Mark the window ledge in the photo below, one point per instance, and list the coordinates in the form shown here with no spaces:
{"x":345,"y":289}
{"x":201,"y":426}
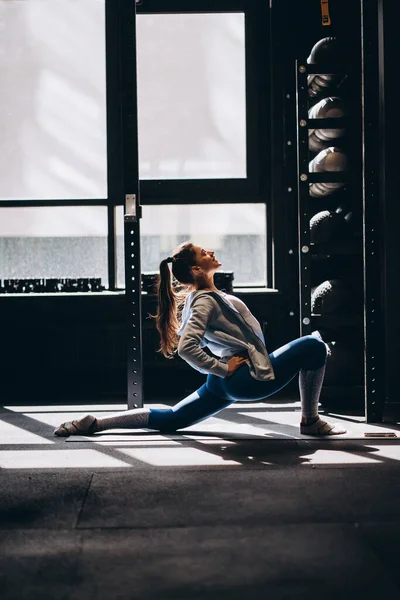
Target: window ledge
{"x":255,"y":290}
{"x":247,"y":290}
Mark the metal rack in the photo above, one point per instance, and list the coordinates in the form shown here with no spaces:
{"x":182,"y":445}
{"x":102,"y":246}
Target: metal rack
{"x":304,"y":179}
{"x":374,"y":207}
{"x":365,"y":322}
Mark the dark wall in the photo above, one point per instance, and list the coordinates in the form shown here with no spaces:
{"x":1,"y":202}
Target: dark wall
{"x":62,"y":346}
{"x":73,"y":347}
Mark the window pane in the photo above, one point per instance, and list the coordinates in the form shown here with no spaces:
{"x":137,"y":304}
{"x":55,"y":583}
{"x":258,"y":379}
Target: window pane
{"x":237,"y":233}
{"x":191,"y":96}
{"x":53,"y":99}
{"x":38,"y":242}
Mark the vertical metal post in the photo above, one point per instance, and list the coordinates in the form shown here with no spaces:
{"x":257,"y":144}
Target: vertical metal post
{"x":291,"y":267}
{"x":372,"y":213}
{"x":111,"y":248}
{"x":134,"y":301}
{"x":132,"y":213}
{"x":303,"y":201}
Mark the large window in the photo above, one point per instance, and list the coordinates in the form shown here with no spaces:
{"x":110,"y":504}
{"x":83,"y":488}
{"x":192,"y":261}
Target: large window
{"x":53,"y":100}
{"x":191,"y":96}
{"x":235,"y":231}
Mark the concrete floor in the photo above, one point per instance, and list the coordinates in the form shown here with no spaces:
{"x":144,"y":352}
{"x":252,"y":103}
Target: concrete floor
{"x":238,"y":507}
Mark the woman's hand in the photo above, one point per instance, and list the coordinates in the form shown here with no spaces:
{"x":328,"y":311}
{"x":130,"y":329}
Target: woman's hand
{"x":234,"y":363}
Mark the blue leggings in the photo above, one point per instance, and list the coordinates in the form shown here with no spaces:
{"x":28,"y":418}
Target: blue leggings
{"x":307,"y":353}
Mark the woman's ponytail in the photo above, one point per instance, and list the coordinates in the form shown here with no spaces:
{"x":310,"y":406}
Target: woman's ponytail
{"x":171,"y":296}
{"x":166,"y":317}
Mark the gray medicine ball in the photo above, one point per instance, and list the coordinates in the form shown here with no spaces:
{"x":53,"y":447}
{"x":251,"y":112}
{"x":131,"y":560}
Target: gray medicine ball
{"x":331,"y":107}
{"x":326,"y":51}
{"x":329,"y":160}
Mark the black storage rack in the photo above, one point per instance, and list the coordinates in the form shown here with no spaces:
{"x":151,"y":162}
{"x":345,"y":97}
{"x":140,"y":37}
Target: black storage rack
{"x":367,"y":389}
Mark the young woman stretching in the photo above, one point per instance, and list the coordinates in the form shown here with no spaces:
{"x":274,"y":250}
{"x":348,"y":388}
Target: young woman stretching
{"x":243,"y":371}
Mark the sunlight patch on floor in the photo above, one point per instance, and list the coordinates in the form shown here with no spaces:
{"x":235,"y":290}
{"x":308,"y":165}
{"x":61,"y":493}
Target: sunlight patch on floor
{"x":280,"y":418}
{"x":388,"y":451}
{"x":58,"y":459}
{"x":223,"y":427}
{"x":215,"y":442}
{"x":13,"y":435}
{"x":160,"y":444}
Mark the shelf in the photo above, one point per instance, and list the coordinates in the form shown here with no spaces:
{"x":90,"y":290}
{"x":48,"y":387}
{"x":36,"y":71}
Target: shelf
{"x":320,"y":69}
{"x":328,"y":123}
{"x":330,"y":177}
{"x":337,"y":320}
{"x":338,"y":247}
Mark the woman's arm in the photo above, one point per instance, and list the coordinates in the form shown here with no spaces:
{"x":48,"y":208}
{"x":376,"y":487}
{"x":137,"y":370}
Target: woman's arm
{"x":189,"y":344}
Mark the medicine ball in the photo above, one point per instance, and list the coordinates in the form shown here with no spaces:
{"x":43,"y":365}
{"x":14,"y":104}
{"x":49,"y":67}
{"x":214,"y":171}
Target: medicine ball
{"x":330,"y":296}
{"x":328,"y":224}
{"x":330,"y":107}
{"x":325,"y":52}
{"x":331,"y":159}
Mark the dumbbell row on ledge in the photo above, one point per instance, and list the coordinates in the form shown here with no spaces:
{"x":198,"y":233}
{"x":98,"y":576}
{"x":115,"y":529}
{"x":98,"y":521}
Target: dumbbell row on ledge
{"x":52,"y":285}
{"x":223,"y":281}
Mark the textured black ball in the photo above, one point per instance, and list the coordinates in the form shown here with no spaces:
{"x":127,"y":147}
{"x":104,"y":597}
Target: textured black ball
{"x":323,"y":226}
{"x":327,"y":225}
{"x":325,"y":51}
{"x":331,"y":296}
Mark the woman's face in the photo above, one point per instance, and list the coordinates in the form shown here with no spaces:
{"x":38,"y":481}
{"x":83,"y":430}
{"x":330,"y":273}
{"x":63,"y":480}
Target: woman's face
{"x":206,"y":259}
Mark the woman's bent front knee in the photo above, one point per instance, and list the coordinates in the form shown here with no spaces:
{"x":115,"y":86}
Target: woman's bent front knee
{"x":315,"y":353}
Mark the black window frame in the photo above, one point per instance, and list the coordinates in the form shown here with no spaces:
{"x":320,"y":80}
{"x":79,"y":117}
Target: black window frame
{"x":255,"y":188}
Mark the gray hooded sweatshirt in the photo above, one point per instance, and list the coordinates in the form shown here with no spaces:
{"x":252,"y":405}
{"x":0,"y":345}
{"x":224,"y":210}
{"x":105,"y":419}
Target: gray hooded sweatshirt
{"x":224,"y":325}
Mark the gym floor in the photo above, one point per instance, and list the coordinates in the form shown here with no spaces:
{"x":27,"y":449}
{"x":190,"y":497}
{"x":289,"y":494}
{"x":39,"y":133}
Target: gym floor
{"x":238,"y":506}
